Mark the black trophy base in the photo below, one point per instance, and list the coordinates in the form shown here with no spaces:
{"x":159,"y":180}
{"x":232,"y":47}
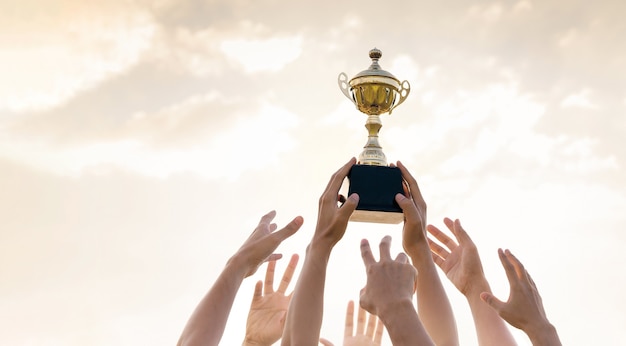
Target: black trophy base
{"x":377,"y":187}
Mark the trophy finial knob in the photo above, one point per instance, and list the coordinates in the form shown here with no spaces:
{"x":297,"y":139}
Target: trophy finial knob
{"x":375,"y":54}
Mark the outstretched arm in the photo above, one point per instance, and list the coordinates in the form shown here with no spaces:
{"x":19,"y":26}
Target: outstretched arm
{"x":206,"y":324}
{"x":304,"y":317}
{"x":433,"y":305}
{"x":389,"y":294}
{"x":462,"y":266}
{"x":524,"y":309}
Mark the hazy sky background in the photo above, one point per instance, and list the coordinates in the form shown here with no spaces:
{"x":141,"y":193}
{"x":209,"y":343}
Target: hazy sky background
{"x":141,"y":141}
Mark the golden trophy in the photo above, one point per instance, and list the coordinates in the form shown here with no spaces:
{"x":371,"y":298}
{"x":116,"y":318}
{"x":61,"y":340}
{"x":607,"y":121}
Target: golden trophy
{"x":374,"y":92}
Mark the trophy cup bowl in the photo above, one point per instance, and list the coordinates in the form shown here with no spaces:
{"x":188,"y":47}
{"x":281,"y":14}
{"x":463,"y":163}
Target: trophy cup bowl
{"x":374,"y":92}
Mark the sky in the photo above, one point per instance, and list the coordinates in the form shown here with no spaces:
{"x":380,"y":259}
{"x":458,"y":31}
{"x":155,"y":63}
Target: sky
{"x":141,"y":142}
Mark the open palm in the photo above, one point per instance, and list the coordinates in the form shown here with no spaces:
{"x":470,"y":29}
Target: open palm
{"x":460,"y":262}
{"x":266,"y":318}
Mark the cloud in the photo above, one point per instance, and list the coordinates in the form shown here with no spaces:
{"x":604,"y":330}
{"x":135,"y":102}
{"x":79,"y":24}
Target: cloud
{"x":50,"y":59}
{"x":182,"y":138}
{"x":259,"y":55}
{"x":580,"y":99}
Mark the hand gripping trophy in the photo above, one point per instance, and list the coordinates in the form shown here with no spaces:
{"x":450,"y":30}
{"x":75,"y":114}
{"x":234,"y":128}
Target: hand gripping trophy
{"x":374,"y":92}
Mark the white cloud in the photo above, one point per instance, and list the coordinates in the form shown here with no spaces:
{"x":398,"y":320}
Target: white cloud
{"x":253,"y":141}
{"x":580,"y":99}
{"x":257,"y":55}
{"x":48,"y":65}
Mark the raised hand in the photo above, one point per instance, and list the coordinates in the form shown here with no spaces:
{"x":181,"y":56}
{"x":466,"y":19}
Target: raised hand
{"x":260,"y":245}
{"x":388,"y":294}
{"x":433,"y":305}
{"x":372,"y":336}
{"x":462,"y":265}
{"x":266,"y":318}
{"x":332,"y":220}
{"x":460,"y":262}
{"x":207,"y":322}
{"x":360,"y":337}
{"x":414,"y":209}
{"x":524,"y":308}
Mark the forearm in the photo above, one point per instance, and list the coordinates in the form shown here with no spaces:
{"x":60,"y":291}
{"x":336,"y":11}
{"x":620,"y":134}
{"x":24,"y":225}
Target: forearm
{"x":304,"y":317}
{"x":433,"y":305}
{"x":404,"y":326}
{"x":206,"y":324}
{"x":491,"y":329}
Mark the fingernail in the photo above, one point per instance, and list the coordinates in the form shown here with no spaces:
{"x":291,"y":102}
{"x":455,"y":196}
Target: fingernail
{"x":354,"y":197}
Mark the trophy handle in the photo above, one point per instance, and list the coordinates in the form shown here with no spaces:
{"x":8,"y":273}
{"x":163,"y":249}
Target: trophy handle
{"x":405,"y":89}
{"x":342,"y":80}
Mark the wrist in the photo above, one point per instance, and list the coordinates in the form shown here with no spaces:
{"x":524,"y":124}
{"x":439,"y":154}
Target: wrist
{"x":543,"y":334}
{"x":390,"y":310}
{"x":251,"y":342}
{"x":476,"y":288}
{"x":237,"y":265}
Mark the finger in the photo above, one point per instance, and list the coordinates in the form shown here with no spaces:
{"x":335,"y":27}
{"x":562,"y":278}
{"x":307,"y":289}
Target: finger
{"x":509,"y":269}
{"x":380,"y":328}
{"x":360,"y":324}
{"x":274,"y":257}
{"x":371,"y":326}
{"x":269,"y":277}
{"x":459,"y":233}
{"x":272,"y":227}
{"x":492,"y":301}
{"x":348,"y":207}
{"x":267,"y":218}
{"x":438,"y":261}
{"x":349,"y":329}
{"x":519,"y":267}
{"x":402,"y":258}
{"x":258,"y":291}
{"x":408,"y":207}
{"x":442,"y":237}
{"x":385,"y":248}
{"x":413,"y":187}
{"x":288,"y":274}
{"x":366,"y":253}
{"x":326,"y":342}
{"x":438,"y":249}
{"x":405,"y":189}
{"x":288,"y":230}
{"x":531,"y":281}
{"x":332,"y":189}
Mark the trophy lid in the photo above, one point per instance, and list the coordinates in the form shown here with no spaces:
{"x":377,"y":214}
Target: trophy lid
{"x":374,"y":70}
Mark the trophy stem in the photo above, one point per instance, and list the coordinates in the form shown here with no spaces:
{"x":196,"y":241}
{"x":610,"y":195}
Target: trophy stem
{"x":372,"y":153}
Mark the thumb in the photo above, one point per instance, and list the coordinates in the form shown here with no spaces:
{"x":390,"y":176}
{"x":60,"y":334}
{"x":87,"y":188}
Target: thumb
{"x":492,"y":301}
{"x":407,"y":206}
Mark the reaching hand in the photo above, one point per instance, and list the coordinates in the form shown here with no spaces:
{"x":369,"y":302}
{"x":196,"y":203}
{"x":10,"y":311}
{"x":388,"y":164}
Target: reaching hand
{"x":371,"y":337}
{"x":461,"y":261}
{"x":389,"y":281}
{"x":361,"y":337}
{"x":414,"y":209}
{"x":266,"y":319}
{"x":388,"y":294}
{"x":259,"y":247}
{"x":524,"y":308}
{"x":332,"y":220}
